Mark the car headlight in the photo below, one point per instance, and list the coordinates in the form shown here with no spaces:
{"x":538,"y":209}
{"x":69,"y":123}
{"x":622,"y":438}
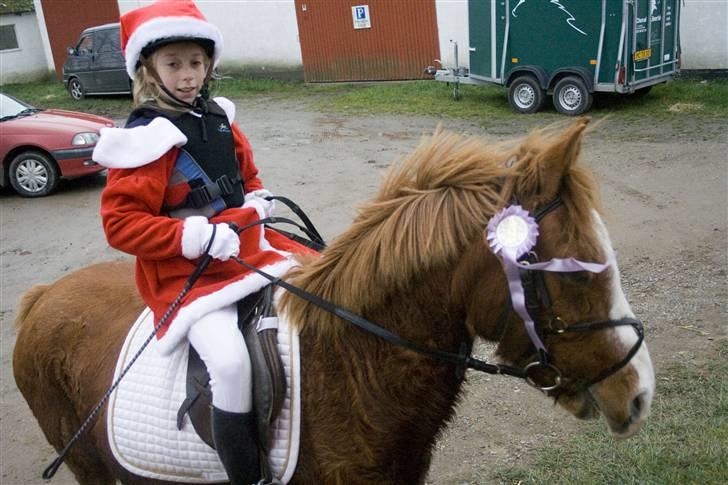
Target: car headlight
{"x":85,"y":139}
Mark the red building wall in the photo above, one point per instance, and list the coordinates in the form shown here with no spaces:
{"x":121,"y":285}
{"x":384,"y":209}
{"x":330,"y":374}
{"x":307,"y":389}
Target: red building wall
{"x":66,"y":19}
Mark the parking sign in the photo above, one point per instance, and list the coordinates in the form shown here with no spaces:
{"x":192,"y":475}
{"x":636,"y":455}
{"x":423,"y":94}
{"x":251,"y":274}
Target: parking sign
{"x":360,"y":16}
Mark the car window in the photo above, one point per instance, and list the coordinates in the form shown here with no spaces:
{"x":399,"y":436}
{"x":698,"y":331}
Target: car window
{"x":114,"y":38}
{"x":107,"y":41}
{"x":85,"y":45}
{"x":102,"y":42}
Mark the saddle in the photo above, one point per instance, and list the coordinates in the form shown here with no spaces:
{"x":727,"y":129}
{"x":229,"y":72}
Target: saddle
{"x":257,"y":321}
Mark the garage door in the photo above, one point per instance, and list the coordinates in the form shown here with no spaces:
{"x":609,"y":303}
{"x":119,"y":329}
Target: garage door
{"x":345,"y":40}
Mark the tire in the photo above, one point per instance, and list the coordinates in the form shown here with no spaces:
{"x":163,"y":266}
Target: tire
{"x":525,"y":95}
{"x":76,"y":89}
{"x":571,"y":97}
{"x":33,"y":174}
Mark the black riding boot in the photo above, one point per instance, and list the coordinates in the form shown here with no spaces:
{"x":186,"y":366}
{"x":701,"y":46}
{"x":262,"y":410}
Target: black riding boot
{"x":235,"y":438}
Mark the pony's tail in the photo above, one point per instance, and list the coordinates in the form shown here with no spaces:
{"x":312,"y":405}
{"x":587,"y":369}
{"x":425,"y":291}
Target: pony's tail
{"x":27,"y":301}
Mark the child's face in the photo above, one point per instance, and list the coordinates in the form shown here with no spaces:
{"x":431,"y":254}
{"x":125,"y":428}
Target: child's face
{"x":182,"y":66}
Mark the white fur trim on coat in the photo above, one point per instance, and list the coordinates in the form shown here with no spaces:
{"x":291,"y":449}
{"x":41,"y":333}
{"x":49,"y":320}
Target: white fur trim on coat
{"x":193,"y":233}
{"x":259,"y":196}
{"x":228,"y":295}
{"x":162,"y":27}
{"x":138,"y":146}
{"x":227,"y":106}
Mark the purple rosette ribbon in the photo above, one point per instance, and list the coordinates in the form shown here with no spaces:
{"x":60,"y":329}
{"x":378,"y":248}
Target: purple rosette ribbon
{"x":512,"y":233}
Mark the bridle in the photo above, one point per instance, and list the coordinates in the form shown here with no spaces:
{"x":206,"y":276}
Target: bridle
{"x":538,"y":303}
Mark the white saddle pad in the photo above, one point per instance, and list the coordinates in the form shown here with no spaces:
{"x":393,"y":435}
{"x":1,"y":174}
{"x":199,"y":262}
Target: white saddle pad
{"x":142,"y":413}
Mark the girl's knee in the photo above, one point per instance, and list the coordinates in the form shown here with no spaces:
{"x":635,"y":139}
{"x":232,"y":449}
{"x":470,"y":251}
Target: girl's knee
{"x":230,"y":368}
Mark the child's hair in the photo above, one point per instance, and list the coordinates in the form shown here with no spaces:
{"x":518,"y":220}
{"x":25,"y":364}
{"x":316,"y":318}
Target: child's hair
{"x":146,"y":90}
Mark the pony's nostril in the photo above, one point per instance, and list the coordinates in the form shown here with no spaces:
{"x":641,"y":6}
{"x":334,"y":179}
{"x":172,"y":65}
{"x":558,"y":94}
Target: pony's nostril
{"x":637,"y":406}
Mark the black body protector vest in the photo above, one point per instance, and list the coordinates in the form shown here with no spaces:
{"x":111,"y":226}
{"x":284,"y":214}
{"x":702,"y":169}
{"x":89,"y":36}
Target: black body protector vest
{"x":207,"y":162}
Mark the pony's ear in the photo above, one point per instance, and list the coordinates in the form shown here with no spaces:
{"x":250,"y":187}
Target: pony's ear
{"x":549,"y":158}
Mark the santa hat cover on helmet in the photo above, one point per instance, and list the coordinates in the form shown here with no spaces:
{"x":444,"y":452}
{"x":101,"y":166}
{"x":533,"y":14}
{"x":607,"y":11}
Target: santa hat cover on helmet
{"x":175,"y":20}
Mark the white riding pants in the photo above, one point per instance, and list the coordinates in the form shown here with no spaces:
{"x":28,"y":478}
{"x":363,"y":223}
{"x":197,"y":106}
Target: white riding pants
{"x":221,"y":346}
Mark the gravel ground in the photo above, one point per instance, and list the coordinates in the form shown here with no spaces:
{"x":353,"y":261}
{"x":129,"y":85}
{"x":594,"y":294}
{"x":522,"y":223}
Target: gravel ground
{"x":664,"y":187}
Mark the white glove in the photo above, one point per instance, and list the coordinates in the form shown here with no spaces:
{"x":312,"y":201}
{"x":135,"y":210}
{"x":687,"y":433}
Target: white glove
{"x":259,"y":196}
{"x":196,"y":235}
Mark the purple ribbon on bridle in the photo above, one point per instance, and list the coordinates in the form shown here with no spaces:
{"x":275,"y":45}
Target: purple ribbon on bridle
{"x":512,"y":233}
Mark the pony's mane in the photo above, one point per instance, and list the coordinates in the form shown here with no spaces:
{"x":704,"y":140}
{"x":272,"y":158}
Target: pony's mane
{"x":427,"y":210}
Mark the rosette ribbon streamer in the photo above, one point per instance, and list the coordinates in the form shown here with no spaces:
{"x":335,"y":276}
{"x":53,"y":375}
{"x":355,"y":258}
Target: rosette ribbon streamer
{"x":511,"y":234}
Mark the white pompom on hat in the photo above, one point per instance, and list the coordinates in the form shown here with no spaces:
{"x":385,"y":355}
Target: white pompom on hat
{"x":175,"y":20}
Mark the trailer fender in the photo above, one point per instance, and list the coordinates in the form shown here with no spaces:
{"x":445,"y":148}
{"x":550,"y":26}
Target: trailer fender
{"x":536,"y":71}
{"x":584,"y":74}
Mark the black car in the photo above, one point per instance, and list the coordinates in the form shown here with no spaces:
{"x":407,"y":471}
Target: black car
{"x":96,"y":64}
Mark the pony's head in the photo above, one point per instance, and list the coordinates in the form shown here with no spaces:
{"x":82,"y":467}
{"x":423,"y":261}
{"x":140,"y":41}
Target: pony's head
{"x":416,"y":259}
{"x":592,"y":356}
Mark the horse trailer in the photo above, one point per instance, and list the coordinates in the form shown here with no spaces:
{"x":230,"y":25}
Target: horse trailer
{"x":569,"y":49}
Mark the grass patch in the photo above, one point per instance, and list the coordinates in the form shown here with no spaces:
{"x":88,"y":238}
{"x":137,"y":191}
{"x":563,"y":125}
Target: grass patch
{"x":684,"y":440}
{"x":698,"y":98}
{"x":52,"y":94}
{"x":241,"y":88}
{"x":421,"y":98}
{"x":707,"y":100}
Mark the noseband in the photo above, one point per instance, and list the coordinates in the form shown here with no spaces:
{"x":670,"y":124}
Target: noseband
{"x":538,"y":303}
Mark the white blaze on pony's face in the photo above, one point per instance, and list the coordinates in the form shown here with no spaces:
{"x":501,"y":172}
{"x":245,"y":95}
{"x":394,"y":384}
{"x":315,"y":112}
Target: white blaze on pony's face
{"x":637,"y":378}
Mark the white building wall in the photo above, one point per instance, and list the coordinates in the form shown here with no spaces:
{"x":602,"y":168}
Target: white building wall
{"x":452,"y":26}
{"x":28,"y":60}
{"x":257,"y":33}
{"x":704,"y":34}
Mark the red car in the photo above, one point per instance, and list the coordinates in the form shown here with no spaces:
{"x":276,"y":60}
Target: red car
{"x":38,"y":147}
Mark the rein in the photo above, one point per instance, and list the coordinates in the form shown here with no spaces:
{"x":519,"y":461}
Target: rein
{"x":536,"y":297}
{"x":463,"y":359}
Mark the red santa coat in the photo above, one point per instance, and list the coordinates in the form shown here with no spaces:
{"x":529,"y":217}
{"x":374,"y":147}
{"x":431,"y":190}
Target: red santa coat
{"x":141,"y":161}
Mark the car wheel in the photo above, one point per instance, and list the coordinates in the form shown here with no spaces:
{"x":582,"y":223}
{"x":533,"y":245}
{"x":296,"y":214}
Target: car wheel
{"x":525,"y":95}
{"x":76,"y":89}
{"x":571,"y":97}
{"x":33,"y":174}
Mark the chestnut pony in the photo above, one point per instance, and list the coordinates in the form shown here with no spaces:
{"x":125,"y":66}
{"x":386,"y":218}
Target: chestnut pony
{"x":415,"y":260}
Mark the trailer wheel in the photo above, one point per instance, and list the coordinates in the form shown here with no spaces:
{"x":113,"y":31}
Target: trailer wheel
{"x":571,"y":97}
{"x":525,"y":95}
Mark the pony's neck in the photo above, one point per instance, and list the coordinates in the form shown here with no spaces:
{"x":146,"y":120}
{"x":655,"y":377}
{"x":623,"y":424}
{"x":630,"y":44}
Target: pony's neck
{"x":383,"y":405}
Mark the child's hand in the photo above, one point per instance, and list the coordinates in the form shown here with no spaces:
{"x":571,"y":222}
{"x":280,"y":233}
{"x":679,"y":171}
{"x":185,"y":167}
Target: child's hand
{"x":225,"y":244}
{"x":196,"y":236}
